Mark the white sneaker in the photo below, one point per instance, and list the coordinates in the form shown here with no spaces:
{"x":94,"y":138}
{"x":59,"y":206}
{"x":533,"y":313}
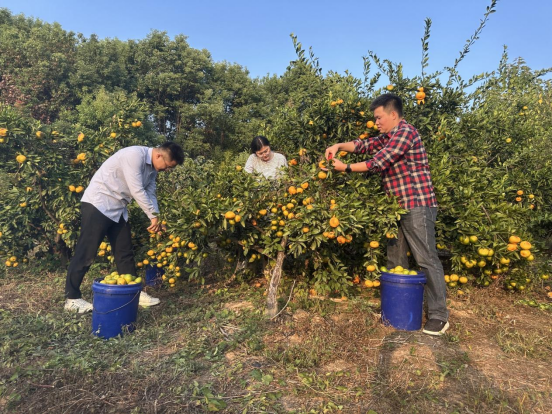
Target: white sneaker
{"x":147,"y":300}
{"x":78,"y":305}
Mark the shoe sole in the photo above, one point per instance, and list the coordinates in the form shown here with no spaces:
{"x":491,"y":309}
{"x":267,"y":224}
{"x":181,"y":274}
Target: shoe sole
{"x":441,"y":332}
{"x":144,"y":305}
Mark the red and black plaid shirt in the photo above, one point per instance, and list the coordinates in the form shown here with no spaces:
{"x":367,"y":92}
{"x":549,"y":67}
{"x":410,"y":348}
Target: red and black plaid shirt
{"x":401,"y":159}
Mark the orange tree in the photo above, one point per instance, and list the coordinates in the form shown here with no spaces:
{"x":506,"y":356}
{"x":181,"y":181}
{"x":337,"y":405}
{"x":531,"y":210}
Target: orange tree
{"x":488,"y":150}
{"x":320,"y":221}
{"x":45,"y":170}
{"x":483,"y":228}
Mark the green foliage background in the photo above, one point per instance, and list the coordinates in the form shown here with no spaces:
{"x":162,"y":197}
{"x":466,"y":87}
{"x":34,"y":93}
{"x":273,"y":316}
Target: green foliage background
{"x":487,"y":138}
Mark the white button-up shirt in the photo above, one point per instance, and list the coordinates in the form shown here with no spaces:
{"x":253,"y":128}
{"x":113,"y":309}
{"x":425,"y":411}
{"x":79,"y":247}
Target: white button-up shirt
{"x":126,"y":175}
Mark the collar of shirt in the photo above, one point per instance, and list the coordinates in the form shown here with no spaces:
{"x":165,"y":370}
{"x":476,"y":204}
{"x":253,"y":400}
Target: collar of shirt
{"x":401,"y":123}
{"x":149,"y":157}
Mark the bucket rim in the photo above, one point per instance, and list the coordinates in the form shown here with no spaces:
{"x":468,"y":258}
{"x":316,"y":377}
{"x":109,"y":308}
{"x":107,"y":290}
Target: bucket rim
{"x":115,"y":289}
{"x":420,"y":277}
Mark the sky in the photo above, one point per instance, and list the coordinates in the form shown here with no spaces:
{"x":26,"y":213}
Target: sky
{"x":256,"y":34}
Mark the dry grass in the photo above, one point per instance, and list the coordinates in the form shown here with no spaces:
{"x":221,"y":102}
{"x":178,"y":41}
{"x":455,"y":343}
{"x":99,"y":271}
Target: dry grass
{"x":203,"y":350}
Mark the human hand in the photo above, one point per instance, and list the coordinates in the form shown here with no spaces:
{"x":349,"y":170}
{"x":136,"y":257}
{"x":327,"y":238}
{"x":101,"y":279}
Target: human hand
{"x":156,"y":226}
{"x":331,"y":151}
{"x":339,"y":165}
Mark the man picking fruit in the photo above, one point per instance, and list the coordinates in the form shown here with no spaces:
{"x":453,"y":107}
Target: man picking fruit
{"x":128,"y":174}
{"x":400,"y":157}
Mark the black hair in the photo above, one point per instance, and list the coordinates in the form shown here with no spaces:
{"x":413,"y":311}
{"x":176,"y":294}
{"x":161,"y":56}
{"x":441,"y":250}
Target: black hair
{"x":174,"y":151}
{"x":258,"y":142}
{"x":390,"y":102}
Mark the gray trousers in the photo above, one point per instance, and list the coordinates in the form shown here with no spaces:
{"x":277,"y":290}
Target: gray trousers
{"x":417,"y":231}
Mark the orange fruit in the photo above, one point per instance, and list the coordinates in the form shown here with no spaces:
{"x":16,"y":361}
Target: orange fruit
{"x":292,"y":190}
{"x":20,"y":159}
{"x":322,"y":164}
{"x":420,"y":95}
{"x":514,"y":239}
{"x":483,"y":251}
{"x":519,"y":192}
{"x":322,"y":175}
{"x":293,"y":162}
{"x":305,"y":229}
{"x":368,"y":283}
{"x":374,"y":244}
{"x":304,"y":186}
{"x":229,"y":215}
{"x":370,"y":268}
{"x":334,"y":222}
{"x":525,"y":245}
{"x":525,"y":253}
{"x":370,"y":124}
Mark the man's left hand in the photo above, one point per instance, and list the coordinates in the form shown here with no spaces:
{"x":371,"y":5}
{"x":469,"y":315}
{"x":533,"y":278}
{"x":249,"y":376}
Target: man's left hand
{"x":339,"y":165}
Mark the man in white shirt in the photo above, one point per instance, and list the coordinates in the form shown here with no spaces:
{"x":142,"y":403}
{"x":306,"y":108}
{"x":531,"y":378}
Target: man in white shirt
{"x":128,"y":174}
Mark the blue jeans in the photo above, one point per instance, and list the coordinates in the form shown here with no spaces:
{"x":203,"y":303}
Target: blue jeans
{"x":417,"y":231}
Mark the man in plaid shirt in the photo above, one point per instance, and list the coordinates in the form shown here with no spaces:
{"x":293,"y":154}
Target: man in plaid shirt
{"x":400,"y":157}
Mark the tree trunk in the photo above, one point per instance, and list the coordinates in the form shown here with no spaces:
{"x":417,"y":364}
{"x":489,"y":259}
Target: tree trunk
{"x":276,"y":275}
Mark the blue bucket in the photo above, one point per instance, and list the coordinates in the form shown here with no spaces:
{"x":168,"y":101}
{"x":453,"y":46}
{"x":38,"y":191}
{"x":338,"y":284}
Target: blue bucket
{"x":402,"y":300}
{"x":115,"y":308}
{"x":154,"y":275}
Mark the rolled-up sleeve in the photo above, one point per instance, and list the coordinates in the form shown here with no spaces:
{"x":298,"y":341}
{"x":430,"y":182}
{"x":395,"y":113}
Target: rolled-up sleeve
{"x":385,"y":153}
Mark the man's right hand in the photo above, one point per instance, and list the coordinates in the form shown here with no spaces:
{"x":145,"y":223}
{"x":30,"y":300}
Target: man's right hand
{"x":155,"y":226}
{"x":331,"y":151}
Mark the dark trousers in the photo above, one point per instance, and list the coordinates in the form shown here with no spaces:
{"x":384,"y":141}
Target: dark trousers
{"x":94,"y":227}
{"x":417,"y":231}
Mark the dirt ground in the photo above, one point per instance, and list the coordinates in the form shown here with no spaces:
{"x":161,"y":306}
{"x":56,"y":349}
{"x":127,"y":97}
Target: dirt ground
{"x":210,"y":349}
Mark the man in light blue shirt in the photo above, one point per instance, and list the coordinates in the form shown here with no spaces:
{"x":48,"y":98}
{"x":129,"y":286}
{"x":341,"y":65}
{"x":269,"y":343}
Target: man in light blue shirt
{"x":127,"y":175}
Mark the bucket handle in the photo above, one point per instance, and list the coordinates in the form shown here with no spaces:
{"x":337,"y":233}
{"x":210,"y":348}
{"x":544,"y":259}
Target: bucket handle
{"x":120,"y":307}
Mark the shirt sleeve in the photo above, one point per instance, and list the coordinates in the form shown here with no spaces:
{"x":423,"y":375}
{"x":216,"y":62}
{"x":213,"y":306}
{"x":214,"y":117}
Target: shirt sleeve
{"x":132,"y":167}
{"x":249,"y":164}
{"x":151,"y":190}
{"x":399,"y":143}
{"x":368,"y":146}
